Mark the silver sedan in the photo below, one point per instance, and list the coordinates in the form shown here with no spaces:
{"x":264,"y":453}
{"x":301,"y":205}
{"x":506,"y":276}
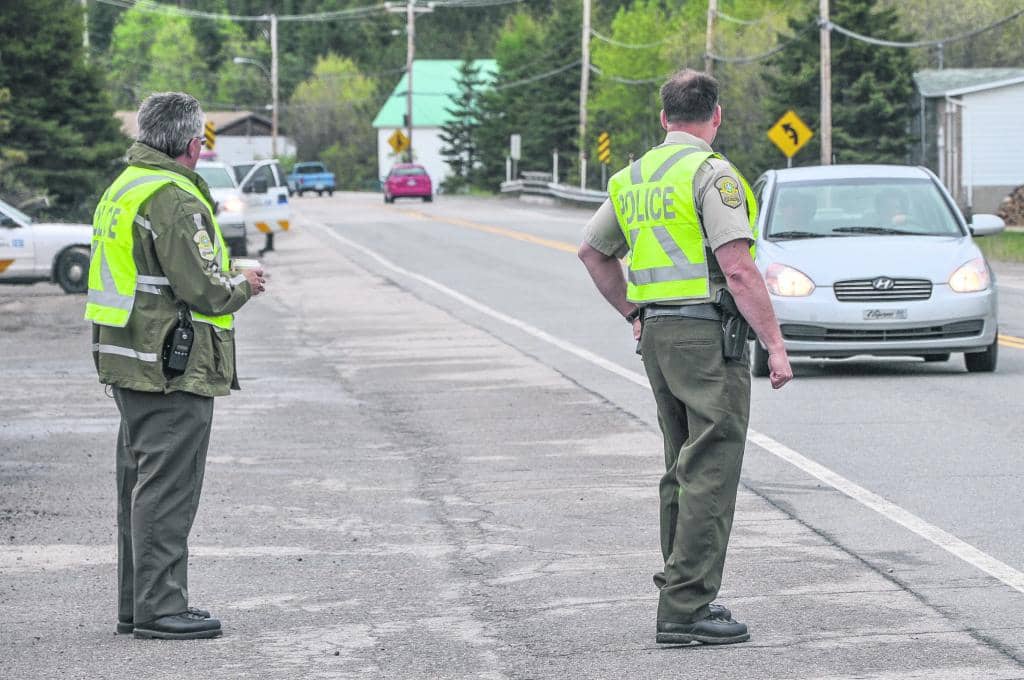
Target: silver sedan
{"x":876,"y":260}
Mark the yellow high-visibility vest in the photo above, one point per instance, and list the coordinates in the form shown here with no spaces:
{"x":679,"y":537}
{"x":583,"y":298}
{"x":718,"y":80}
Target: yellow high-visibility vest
{"x":654,"y":204}
{"x":113,"y":275}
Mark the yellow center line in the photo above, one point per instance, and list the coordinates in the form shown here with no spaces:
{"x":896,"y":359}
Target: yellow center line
{"x":500,"y":231}
{"x":1011,"y":341}
{"x":1004,"y":340}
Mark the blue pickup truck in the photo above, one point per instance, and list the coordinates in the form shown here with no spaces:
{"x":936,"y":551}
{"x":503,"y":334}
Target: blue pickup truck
{"x":310,"y":177}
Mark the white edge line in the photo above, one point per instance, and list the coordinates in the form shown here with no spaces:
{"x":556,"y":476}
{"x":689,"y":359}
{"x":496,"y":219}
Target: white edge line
{"x":948,"y":542}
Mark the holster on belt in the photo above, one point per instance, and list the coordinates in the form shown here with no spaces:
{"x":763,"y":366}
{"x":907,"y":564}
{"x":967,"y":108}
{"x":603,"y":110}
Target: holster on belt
{"x":735,"y":329}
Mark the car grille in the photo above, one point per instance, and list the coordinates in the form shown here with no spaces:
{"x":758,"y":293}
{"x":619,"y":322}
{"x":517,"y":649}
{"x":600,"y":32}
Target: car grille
{"x":863,"y":290}
{"x":958,"y":329}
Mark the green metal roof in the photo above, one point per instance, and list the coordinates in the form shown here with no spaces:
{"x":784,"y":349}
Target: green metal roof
{"x":435,"y":82}
{"x":940,"y":82}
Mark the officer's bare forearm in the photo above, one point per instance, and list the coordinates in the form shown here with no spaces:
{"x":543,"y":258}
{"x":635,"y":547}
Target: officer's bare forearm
{"x":748,"y":289}
{"x":606,"y":271}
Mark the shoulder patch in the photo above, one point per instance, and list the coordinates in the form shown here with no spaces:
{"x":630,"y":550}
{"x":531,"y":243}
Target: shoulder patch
{"x":204,"y":244}
{"x":729,"y":191}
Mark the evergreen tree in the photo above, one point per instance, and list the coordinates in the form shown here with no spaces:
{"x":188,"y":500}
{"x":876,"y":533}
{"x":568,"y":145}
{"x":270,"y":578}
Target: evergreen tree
{"x":59,"y":114}
{"x":872,"y":88}
{"x":534,"y":94}
{"x":460,"y":133}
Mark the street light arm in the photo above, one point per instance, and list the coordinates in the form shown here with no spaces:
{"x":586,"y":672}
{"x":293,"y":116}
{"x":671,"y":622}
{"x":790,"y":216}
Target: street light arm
{"x":254,"y":62}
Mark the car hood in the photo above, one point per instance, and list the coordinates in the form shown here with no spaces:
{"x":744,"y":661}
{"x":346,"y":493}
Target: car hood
{"x":827,"y":260}
{"x":226,"y":192}
{"x":78,"y":233}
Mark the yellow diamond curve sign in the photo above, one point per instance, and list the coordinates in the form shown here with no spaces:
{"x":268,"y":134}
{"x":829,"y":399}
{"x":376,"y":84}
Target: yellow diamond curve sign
{"x":398,"y":141}
{"x":790,"y":133}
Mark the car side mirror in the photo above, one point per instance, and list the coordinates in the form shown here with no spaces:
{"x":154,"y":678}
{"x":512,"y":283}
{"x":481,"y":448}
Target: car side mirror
{"x":6,"y":221}
{"x":986,"y":225}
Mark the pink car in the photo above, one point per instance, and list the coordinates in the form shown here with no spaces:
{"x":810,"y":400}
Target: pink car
{"x":408,"y":179}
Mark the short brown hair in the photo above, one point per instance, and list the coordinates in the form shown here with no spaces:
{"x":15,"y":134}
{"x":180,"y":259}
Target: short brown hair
{"x":689,"y":97}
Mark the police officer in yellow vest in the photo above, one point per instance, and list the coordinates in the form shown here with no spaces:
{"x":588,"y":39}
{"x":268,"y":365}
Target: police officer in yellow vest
{"x":685,"y":218}
{"x":161,"y":297}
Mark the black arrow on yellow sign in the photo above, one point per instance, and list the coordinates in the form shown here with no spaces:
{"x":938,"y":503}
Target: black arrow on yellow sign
{"x":789,"y":130}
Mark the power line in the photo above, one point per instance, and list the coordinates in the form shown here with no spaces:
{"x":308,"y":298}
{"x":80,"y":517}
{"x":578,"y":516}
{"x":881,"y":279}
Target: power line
{"x":160,"y":8}
{"x":632,"y":46}
{"x":924,"y":43}
{"x":626,"y":81}
{"x":540,"y":76}
{"x":735,"y":20}
{"x":764,"y":55}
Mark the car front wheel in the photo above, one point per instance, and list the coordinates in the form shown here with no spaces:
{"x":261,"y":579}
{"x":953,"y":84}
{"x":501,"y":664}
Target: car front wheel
{"x":759,"y":364}
{"x":72,"y":272}
{"x":983,"y":362}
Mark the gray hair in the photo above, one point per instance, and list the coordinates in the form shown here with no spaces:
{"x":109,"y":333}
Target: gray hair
{"x":168,"y":121}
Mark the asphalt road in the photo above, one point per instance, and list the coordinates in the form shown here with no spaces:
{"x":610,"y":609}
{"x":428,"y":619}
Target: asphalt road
{"x":443,"y":463}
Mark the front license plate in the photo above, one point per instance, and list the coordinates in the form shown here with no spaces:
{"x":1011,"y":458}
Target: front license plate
{"x":885,"y":314}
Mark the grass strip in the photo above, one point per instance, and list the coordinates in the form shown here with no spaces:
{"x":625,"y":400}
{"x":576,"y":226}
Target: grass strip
{"x":1005,"y":247}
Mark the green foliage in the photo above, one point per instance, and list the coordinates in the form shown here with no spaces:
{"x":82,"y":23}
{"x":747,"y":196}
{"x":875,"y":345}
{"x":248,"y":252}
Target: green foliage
{"x":329,"y":118}
{"x":460,"y":134}
{"x":872,"y":88}
{"x":1007,"y":246}
{"x":544,"y":111}
{"x":58,"y":116}
{"x":934,"y":19}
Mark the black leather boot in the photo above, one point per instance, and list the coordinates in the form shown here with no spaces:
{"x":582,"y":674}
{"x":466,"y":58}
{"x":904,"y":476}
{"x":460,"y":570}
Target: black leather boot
{"x":711,"y":630}
{"x":127,"y":625}
{"x":184,"y":626}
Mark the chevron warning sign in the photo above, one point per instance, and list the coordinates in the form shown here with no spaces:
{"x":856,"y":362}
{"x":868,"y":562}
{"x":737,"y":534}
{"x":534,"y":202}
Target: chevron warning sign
{"x":604,"y":148}
{"x":210,"y":135}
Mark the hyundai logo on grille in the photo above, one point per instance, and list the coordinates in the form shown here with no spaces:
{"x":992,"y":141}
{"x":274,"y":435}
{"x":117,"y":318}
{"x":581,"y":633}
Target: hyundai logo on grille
{"x":883,"y":283}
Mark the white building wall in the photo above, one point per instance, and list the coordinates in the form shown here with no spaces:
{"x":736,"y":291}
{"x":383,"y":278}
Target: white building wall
{"x":993,"y":137}
{"x":231,"y":149}
{"x":426,"y":149}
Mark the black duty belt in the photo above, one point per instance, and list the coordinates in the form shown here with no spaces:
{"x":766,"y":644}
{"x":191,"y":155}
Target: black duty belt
{"x":704,"y":310}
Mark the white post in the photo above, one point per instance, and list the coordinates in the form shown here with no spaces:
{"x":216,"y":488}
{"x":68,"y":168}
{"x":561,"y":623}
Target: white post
{"x":273,"y":84}
{"x":554,"y":166}
{"x":583,"y":171}
{"x":508,"y":169}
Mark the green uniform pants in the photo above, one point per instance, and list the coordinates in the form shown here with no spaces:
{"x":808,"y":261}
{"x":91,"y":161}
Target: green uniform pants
{"x":161,"y":457}
{"x":703,"y":409}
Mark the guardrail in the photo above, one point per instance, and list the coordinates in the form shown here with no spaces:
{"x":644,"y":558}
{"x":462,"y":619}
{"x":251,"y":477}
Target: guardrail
{"x":540,"y":184}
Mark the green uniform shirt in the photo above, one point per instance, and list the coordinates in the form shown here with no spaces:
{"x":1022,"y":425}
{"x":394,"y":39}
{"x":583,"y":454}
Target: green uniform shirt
{"x":165,"y":244}
{"x":722,"y":218}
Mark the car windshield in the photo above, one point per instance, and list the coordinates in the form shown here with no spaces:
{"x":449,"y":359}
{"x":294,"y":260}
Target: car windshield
{"x":309,"y":169}
{"x":859,"y":207}
{"x":398,"y":172}
{"x":216,"y":177}
{"x":242,"y":169}
{"x":14,"y":213}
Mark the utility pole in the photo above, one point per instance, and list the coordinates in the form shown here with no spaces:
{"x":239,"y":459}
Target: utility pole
{"x":826,"y":84}
{"x":709,"y":41}
{"x":584,"y":89}
{"x":85,"y":28}
{"x":410,"y":53}
{"x":273,"y":85}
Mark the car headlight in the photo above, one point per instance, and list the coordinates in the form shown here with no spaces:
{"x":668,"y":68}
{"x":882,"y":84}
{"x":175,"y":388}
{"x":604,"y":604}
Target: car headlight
{"x":787,"y":282}
{"x":970,"y":277}
{"x":233,"y":204}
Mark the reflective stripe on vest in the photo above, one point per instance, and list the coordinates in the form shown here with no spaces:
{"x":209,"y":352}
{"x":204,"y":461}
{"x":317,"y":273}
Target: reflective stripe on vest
{"x":667,"y":255}
{"x":113,"y":275}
